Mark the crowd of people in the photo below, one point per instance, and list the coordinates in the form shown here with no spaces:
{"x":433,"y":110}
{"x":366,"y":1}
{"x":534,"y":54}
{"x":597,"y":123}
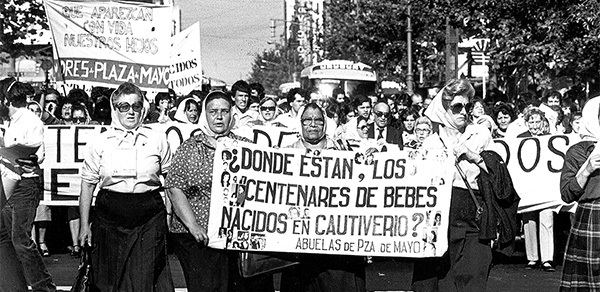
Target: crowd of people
{"x":128,"y":224}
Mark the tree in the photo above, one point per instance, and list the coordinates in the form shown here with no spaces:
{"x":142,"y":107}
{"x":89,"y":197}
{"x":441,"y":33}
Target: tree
{"x":19,"y":19}
{"x":274,"y":67}
{"x":539,"y":39}
{"x":374,"y":32}
{"x":562,"y":39}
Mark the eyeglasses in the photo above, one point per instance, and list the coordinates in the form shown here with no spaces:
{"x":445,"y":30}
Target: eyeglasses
{"x":382,"y":114}
{"x":422,"y":131}
{"x":79,"y":119}
{"x":318,"y":122}
{"x":363,"y":128}
{"x":458,"y":107}
{"x":124,"y":107}
{"x":267,"y":108}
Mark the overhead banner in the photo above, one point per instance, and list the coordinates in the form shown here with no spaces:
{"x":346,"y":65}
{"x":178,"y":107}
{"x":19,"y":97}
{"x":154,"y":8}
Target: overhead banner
{"x":108,"y":43}
{"x":186,"y":68}
{"x":535,"y":164}
{"x":330,"y":202}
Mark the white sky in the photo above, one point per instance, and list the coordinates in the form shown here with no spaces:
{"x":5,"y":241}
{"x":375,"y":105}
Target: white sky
{"x":232,"y":32}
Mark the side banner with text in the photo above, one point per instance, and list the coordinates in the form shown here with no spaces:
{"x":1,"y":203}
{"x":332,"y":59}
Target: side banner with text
{"x":332,"y":202}
{"x":535,"y":164}
{"x":108,"y":43}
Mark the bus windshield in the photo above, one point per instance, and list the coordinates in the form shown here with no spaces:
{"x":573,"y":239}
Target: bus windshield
{"x":353,"y":78}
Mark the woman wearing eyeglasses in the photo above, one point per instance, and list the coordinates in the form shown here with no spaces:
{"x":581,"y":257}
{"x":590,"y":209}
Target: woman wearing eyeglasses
{"x":129,"y":229}
{"x":469,"y":258}
{"x":322,"y":272}
{"x":268,"y":112}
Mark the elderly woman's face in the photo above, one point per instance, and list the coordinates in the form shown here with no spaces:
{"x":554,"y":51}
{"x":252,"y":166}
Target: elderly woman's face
{"x":218,"y":115}
{"x":129,"y":110}
{"x":535,"y":124}
{"x":422,"y":131}
{"x":458,"y":110}
{"x":313,"y":125}
{"x":267,"y":110}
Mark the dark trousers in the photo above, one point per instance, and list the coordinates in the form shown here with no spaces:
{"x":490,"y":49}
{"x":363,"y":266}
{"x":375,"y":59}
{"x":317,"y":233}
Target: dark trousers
{"x":204,"y":268}
{"x":16,"y":218}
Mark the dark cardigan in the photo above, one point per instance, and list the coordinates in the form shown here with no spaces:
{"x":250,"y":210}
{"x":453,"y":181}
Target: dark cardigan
{"x":501,"y":202}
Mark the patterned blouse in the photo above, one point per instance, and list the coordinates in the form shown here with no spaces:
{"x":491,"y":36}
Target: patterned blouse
{"x":191,"y":171}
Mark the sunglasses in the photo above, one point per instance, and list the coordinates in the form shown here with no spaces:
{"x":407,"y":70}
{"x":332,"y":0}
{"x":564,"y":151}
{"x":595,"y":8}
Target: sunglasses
{"x":79,"y":119}
{"x":364,"y":128}
{"x":318,"y":122}
{"x":267,"y":108}
{"x":382,"y":114}
{"x":125,"y":107}
{"x":458,"y":107}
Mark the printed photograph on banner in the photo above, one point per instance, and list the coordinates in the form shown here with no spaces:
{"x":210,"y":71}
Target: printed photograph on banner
{"x":387,"y":203}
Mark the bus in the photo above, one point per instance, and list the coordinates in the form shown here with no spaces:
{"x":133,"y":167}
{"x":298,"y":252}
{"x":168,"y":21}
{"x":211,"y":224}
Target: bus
{"x":353,"y":77}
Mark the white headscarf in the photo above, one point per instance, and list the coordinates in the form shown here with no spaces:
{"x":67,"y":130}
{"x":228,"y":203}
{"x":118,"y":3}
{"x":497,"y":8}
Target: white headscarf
{"x":203,"y":120}
{"x":590,"y":123}
{"x":180,"y":115}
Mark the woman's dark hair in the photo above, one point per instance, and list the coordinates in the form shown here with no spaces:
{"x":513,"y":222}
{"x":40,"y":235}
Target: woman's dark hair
{"x":161,"y":96}
{"x":223,"y":176}
{"x":188,"y":104}
{"x":504,"y":108}
{"x":80,"y":107}
{"x":18,"y":92}
{"x":332,"y":110}
{"x":217,"y":94}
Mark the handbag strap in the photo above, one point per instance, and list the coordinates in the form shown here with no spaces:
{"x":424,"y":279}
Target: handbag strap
{"x":477,"y":205}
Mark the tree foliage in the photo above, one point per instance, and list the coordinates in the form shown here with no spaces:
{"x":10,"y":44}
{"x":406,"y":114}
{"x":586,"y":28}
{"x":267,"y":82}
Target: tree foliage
{"x":542,"y":39}
{"x":274,"y":67}
{"x":20,"y":19}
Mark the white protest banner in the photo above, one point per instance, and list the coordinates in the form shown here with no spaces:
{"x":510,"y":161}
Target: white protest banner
{"x":269,"y":136}
{"x":108,"y":43}
{"x":64,"y":146}
{"x":535,"y":164}
{"x":186,"y":68}
{"x":292,"y":200}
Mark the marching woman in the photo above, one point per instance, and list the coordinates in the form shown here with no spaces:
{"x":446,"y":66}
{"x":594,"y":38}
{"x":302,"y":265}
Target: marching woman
{"x":190,"y":190}
{"x":129,"y":229}
{"x":580,"y":181}
{"x":469,"y":258}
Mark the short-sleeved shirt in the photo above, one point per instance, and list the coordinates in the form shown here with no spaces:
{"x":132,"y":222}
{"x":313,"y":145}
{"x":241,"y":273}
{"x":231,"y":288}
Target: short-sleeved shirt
{"x":152,"y":158}
{"x":192,"y":172}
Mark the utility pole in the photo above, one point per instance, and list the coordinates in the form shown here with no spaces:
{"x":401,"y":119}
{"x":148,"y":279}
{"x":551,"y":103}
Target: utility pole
{"x":451,"y":51}
{"x":410,"y":84}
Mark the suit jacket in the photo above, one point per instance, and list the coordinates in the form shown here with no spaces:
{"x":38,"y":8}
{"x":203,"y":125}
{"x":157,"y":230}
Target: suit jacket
{"x":393,"y":135}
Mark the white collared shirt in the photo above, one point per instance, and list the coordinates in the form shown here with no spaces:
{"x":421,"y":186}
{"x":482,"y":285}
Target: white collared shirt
{"x":151,"y":157}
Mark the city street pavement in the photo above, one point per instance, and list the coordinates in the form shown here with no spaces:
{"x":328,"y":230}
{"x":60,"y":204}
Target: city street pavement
{"x":510,"y":275}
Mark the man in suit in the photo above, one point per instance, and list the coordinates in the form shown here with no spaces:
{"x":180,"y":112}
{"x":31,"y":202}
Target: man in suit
{"x":381,"y":129}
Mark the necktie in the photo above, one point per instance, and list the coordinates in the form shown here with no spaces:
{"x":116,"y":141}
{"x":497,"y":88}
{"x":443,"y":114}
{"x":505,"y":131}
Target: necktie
{"x":380,"y":135}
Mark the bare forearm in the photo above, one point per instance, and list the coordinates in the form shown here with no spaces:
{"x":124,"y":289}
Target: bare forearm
{"x":85,"y":202}
{"x":182,"y":208}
